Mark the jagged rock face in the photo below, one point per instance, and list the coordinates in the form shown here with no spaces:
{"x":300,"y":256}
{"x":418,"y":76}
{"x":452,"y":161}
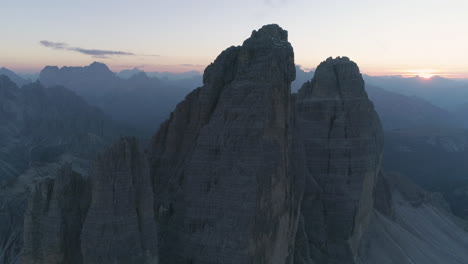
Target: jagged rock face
{"x":120,"y":225}
{"x":106,"y":218}
{"x":54,"y":217}
{"x":224,"y":188}
{"x":343,"y":142}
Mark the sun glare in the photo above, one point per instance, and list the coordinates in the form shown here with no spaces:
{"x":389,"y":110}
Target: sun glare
{"x":425,"y":75}
{"x":422,"y":73}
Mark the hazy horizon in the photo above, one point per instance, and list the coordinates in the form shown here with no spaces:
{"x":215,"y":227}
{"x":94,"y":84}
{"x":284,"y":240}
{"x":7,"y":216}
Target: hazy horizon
{"x":421,"y":74}
{"x":399,"y":41}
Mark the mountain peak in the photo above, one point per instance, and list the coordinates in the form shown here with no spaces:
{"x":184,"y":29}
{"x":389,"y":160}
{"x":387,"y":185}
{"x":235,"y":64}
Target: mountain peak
{"x":139,"y":76}
{"x":271,"y":31}
{"x":13,"y":77}
{"x":99,"y":66}
{"x":338,"y":60}
{"x":5,"y":81}
{"x":338,"y":78}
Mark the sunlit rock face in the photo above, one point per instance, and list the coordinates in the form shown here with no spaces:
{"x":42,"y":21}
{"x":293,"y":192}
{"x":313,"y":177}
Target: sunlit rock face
{"x":343,"y":141}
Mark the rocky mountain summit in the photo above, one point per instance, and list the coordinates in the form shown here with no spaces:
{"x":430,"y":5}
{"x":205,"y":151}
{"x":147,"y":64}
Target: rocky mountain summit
{"x":242,"y":172}
{"x":343,"y":142}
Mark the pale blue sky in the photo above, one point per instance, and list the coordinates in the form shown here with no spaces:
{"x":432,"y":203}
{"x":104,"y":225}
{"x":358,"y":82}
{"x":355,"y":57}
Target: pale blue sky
{"x":383,"y":37}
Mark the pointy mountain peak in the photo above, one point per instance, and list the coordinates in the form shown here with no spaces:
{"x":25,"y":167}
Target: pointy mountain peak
{"x":337,"y":78}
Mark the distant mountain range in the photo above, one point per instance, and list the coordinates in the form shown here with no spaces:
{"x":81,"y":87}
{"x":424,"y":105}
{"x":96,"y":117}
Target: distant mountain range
{"x":169,"y":76}
{"x":18,"y":80}
{"x":442,"y":92}
{"x":399,"y":111}
{"x":140,"y":100}
{"x":40,"y":124}
{"x":41,"y":129}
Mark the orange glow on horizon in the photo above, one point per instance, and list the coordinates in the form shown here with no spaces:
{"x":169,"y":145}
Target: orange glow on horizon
{"x":422,"y":73}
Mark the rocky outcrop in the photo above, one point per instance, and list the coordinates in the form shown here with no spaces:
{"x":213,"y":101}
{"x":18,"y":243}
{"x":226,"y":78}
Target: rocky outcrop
{"x":120,"y":225}
{"x":225,"y":186}
{"x":343,"y":142}
{"x":106,"y":218}
{"x":54,"y":217}
{"x":411,"y":226}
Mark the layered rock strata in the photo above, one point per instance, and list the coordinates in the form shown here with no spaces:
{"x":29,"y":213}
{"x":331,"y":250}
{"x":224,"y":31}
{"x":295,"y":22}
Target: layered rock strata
{"x":226,"y":187}
{"x":343,"y":142}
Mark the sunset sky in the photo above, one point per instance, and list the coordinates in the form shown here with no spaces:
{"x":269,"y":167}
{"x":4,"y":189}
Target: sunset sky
{"x":408,"y":37}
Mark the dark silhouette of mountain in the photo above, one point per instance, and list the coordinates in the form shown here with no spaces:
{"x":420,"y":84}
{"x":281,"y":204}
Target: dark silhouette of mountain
{"x":426,"y":143}
{"x":40,"y":124}
{"x":165,"y":76}
{"x":461,"y":113}
{"x":126,"y":74}
{"x":398,"y":111}
{"x":243,"y":171}
{"x":91,"y":82}
{"x":434,"y":158}
{"x":41,"y":129}
{"x":140,"y":101}
{"x":173,"y":76}
{"x":301,"y":77}
{"x":18,"y":80}
{"x":442,"y":92}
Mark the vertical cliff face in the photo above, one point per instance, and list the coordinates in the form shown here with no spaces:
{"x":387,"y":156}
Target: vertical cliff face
{"x":106,"y":218}
{"x":54,"y":217}
{"x":120,"y":225}
{"x":343,"y":142}
{"x":221,"y":162}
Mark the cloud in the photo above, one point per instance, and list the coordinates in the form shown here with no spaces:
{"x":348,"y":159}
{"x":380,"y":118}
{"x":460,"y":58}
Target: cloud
{"x":192,"y":65}
{"x":54,"y":45}
{"x":96,"y":53}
